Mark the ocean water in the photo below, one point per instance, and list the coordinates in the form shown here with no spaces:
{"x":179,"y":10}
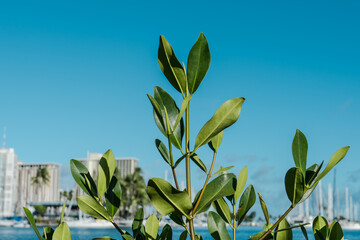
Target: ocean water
{"x":243,"y":233}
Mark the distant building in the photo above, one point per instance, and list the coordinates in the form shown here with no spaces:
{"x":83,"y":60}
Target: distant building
{"x":32,"y":193}
{"x":126,"y":166}
{"x":8,"y":181}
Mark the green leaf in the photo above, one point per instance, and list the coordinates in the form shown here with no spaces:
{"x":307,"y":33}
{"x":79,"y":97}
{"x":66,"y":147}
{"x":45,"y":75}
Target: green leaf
{"x":32,"y":222}
{"x":163,"y":151}
{"x":217,"y":227}
{"x":183,"y":107}
{"x":183,"y":235}
{"x":167,"y":199}
{"x":222,"y":209}
{"x":113,"y":196}
{"x":311,"y":173}
{"x":106,"y":170}
{"x":215,"y":142}
{"x":169,"y":108}
{"x":264,"y":208}
{"x":196,"y":159}
{"x":259,"y":234}
{"x":179,"y":160}
{"x":170,"y":65}
{"x":299,"y":150}
{"x":83,"y":178}
{"x":294,"y":185}
{"x":226,"y":115}
{"x":152,"y":227}
{"x":222,"y":170}
{"x":90,"y":206}
{"x":247,"y":200}
{"x":320,"y":228}
{"x":62,"y":212}
{"x":336,"y":232}
{"x":48,"y":233}
{"x":62,"y":232}
{"x":177,"y":218}
{"x":304,"y":232}
{"x":335,"y":159}
{"x":283,"y":235}
{"x":220,"y":187}
{"x":157,"y":114}
{"x":241,"y":181}
{"x":198,"y":63}
{"x":138,"y":222}
{"x":166,"y":233}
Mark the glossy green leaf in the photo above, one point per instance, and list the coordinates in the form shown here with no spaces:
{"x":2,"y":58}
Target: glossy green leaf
{"x":222,"y":209}
{"x":226,"y":115}
{"x":320,"y":228}
{"x":106,"y":170}
{"x":196,"y":159}
{"x":222,"y":170}
{"x":294,"y":185}
{"x":220,"y":187}
{"x":183,"y":107}
{"x":264,"y":208}
{"x":259,"y":234}
{"x":152,"y":227}
{"x":283,"y":235}
{"x":215,"y":142}
{"x":157,"y":114}
{"x":48,"y":233}
{"x":217,"y":227}
{"x":177,"y":218}
{"x":165,"y":101}
{"x":198,"y":63}
{"x":336,"y":233}
{"x":62,"y":232}
{"x":167,"y":199}
{"x":32,"y":222}
{"x":138,"y":222}
{"x":299,"y":150}
{"x":179,"y":160}
{"x":311,"y":173}
{"x":113,"y":196}
{"x":335,"y":159}
{"x":170,"y":65}
{"x":83,"y":178}
{"x":183,"y":235}
{"x":127,"y":236}
{"x":163,"y":151}
{"x":90,"y":206}
{"x":241,"y":182}
{"x":247,"y":200}
{"x":166,"y":233}
{"x":304,"y":232}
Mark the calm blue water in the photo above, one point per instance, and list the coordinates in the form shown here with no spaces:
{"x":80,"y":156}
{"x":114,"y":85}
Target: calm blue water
{"x":87,"y":234}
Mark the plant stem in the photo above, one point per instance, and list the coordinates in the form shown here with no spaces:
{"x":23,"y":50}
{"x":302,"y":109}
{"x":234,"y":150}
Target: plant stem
{"x":277,"y":223}
{"x":117,"y":227}
{"x":172,"y":162}
{"x":234,"y":223}
{"x":206,"y":181}
{"x":188,"y":179}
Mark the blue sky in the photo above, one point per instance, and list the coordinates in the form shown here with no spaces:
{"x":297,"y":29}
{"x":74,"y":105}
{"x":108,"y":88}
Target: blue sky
{"x":74,"y":78}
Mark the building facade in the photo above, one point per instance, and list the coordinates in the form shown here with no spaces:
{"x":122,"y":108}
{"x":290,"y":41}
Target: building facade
{"x":32,"y":192}
{"x":8,"y":182}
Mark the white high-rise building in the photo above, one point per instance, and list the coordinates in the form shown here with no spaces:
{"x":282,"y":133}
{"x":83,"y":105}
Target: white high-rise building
{"x":29,"y":192}
{"x":8,"y":181}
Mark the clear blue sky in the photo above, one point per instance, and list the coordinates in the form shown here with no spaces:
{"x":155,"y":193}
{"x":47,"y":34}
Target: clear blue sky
{"x":74,"y":77}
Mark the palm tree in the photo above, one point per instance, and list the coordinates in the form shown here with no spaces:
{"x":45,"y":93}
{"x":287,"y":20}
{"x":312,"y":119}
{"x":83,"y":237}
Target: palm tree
{"x":133,"y":193}
{"x":42,"y":177}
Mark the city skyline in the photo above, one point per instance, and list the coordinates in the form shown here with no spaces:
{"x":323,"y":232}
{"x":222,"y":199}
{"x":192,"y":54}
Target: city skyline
{"x":75,"y":76}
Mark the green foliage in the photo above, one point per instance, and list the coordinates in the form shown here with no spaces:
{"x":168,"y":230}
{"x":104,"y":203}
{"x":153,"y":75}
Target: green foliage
{"x":222,"y":190}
